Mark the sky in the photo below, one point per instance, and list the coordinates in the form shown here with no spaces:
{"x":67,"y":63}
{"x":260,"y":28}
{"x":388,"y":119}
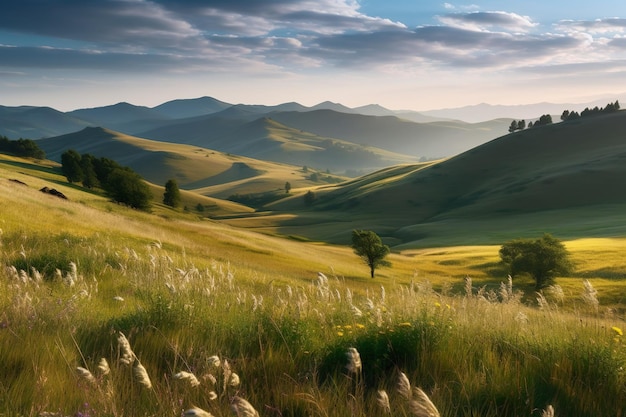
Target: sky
{"x":401,"y":54}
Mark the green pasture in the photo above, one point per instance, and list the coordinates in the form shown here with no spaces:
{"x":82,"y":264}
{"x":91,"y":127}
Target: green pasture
{"x":281,"y":311}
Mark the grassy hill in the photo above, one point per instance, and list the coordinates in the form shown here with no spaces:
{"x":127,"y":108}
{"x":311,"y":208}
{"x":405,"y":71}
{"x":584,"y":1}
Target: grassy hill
{"x":563,"y":178}
{"x":429,"y":140}
{"x":204,"y":171}
{"x":85,"y":282}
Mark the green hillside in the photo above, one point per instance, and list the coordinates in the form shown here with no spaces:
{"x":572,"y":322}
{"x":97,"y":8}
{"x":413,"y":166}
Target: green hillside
{"x":565,"y":178}
{"x":204,"y":171}
{"x":110,"y":311}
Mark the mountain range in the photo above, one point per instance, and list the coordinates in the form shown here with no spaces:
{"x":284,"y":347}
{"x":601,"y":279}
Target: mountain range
{"x":328,"y":136}
{"x":565,"y":177}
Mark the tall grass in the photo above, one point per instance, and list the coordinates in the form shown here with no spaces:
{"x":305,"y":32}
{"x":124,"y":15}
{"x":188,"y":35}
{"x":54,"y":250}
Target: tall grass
{"x":261,"y":330}
{"x":482,"y":352}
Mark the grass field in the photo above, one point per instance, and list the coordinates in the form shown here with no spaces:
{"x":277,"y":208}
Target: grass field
{"x":157,"y":294}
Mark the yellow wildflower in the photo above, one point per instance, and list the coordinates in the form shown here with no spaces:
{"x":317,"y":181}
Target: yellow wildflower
{"x":617,"y":331}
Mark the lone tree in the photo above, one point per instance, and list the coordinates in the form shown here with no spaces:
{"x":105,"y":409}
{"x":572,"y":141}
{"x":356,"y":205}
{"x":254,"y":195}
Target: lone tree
{"x":543,"y":259}
{"x":287,"y":187}
{"x":370,"y":248}
{"x":171,"y":197}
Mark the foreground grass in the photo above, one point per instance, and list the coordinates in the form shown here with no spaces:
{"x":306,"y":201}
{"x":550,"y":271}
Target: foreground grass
{"x":286,"y":343}
{"x":75,"y":278}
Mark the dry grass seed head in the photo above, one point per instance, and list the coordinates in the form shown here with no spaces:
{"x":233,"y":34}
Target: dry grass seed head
{"x":422,"y":406}
{"x":103,"y":367}
{"x":548,"y":412}
{"x":404,"y":386}
{"x":189,"y":377}
{"x":243,"y":408}
{"x":86,"y":374}
{"x":142,"y":375}
{"x":382,"y":399}
{"x":197,"y":412}
{"x":354,"y":361}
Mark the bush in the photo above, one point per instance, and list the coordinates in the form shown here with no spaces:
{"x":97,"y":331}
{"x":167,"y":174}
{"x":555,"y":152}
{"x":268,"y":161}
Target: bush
{"x":543,"y":258}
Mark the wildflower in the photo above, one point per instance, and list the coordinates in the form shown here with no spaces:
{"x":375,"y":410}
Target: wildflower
{"x":197,"y":412}
{"x":404,"y":324}
{"x":354,"y":361}
{"x":382,"y":399}
{"x":422,"y":406}
{"x":617,"y":331}
{"x":86,"y":374}
{"x":142,"y":375}
{"x":340,"y":334}
{"x":360,"y":326}
{"x":243,"y":408}
{"x":404,"y":386}
{"x":189,"y":377}
{"x":103,"y":367}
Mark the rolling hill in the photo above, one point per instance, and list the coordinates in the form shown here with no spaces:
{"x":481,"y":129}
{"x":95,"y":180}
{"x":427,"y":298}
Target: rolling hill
{"x":201,"y":170}
{"x":564,"y":178}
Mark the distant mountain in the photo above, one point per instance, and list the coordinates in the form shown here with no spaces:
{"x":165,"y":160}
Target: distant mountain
{"x":559,"y":177}
{"x":267,"y":139}
{"x":483,"y":112}
{"x":36,"y":122}
{"x":329,"y":105}
{"x":185,"y":108}
{"x":120,"y":116}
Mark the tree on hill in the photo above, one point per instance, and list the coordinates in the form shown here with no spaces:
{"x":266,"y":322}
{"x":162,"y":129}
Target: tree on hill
{"x":287,"y":187}
{"x":370,"y":248}
{"x":22,"y":147}
{"x":127,"y":187}
{"x":543,"y":259}
{"x":122,"y":184}
{"x":517,"y":125}
{"x":71,"y":167}
{"x":545,"y":119}
{"x":90,"y":179}
{"x":171,"y":197}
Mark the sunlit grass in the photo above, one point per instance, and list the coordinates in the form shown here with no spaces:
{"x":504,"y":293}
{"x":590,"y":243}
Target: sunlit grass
{"x":74,"y":275}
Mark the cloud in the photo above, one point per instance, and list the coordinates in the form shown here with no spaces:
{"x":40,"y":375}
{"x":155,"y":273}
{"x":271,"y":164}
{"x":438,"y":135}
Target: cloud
{"x":281,"y":35}
{"x":598,"y":26}
{"x":444,"y":46}
{"x":488,"y":21}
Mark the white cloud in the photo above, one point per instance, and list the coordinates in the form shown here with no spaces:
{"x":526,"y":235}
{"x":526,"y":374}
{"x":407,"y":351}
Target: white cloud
{"x":482,"y":21}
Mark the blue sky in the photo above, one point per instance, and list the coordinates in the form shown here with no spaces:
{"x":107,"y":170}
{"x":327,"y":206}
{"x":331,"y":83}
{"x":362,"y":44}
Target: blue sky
{"x":402,"y":54}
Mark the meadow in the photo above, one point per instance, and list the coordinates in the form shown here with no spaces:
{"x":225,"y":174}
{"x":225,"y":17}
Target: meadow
{"x":106,"y":311}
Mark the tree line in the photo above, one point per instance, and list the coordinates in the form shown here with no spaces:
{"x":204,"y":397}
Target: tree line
{"x":567,"y":115}
{"x":25,"y":148}
{"x":120,"y":183}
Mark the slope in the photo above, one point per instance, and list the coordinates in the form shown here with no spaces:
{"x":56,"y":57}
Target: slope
{"x":191,"y":166}
{"x":564,"y":178}
{"x":428,"y":140}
